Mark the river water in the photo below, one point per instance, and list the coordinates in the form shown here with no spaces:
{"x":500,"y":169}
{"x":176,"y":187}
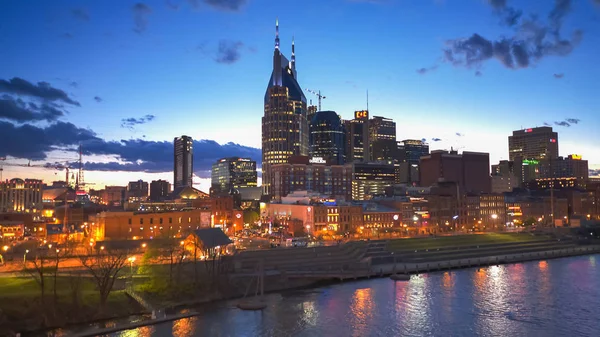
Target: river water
{"x":545,"y":298}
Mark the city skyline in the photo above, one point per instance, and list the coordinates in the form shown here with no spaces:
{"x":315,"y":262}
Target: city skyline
{"x":453,"y":87}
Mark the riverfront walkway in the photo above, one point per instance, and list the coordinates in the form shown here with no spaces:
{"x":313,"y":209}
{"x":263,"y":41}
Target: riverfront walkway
{"x":359,"y":259}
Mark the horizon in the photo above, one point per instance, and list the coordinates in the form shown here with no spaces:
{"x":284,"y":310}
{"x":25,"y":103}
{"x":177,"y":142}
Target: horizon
{"x":115,"y":88}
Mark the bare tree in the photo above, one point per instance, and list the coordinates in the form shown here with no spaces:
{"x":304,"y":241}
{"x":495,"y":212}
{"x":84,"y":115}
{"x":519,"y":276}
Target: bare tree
{"x":37,"y":268}
{"x":104,"y":266}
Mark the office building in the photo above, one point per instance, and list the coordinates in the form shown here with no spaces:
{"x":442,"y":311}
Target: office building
{"x":470,"y":170}
{"x":284,"y":124}
{"x":327,"y":137}
{"x":371,"y":179}
{"x":159,"y":190}
{"x":21,"y":196}
{"x":137,"y":191}
{"x":300,"y":174}
{"x":533,"y":143}
{"x":233,"y":173}
{"x":311,"y":111}
{"x":411,"y":150}
{"x":572,"y":166}
{"x":113,"y":195}
{"x":357,"y":137}
{"x":382,"y":140}
{"x":183,"y":162}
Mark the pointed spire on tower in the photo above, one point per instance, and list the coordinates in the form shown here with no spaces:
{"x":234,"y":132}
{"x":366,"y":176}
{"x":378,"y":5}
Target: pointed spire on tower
{"x":277,"y":33}
{"x":293,"y":53}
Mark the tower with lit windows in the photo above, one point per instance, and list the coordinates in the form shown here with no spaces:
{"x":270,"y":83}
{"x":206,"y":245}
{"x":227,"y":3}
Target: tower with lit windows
{"x":284,"y":124}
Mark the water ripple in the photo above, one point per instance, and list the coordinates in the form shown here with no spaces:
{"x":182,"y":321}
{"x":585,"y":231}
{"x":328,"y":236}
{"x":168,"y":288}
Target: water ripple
{"x":544,"y":298}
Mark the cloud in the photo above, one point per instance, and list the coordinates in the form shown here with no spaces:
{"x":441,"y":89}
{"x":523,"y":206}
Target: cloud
{"x":136,"y":155}
{"x":140,"y":17}
{"x":98,"y":99}
{"x":130,"y":123}
{"x":530,"y":42}
{"x":151,"y":156}
{"x":547,"y":124}
{"x":194,"y":3}
{"x":67,"y":35}
{"x":74,"y":84}
{"x":19,"y":111}
{"x":436,"y":139}
{"x":171,"y":5}
{"x":424,"y":71}
{"x":227,"y":5}
{"x":498,"y":4}
{"x":567,"y":122}
{"x":229,"y":52}
{"x":43,"y":90}
{"x":559,"y":76}
{"x":80,"y":14}
{"x":459,"y":134}
{"x":478,"y":73}
{"x":33,"y":142}
{"x":573,"y":120}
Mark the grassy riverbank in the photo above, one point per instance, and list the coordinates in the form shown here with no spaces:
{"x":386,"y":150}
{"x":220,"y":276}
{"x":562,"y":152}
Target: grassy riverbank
{"x":22,"y":307}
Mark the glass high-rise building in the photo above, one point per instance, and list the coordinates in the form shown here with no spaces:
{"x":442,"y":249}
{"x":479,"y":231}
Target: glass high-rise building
{"x":382,"y":139}
{"x":232,"y":173}
{"x":357,"y":137}
{"x":284,"y":124}
{"x":327,"y":137}
{"x":533,"y":143}
{"x":412,"y":150}
{"x":183,"y":162}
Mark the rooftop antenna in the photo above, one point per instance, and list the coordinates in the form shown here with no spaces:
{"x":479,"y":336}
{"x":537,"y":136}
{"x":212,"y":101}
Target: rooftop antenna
{"x":367,"y":99}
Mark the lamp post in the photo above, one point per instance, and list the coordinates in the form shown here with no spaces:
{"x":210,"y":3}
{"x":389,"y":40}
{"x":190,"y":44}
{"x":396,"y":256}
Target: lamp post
{"x":25,"y":257}
{"x":131,"y":260}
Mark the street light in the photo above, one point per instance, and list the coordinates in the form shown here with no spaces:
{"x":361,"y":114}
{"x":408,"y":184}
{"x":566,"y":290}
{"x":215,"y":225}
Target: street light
{"x":131,"y":260}
{"x":25,"y":256}
{"x":5,"y":248}
{"x":494,"y":217}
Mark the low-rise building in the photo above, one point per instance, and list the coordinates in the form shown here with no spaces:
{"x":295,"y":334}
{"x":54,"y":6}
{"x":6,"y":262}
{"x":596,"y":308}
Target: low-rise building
{"x":140,"y":225}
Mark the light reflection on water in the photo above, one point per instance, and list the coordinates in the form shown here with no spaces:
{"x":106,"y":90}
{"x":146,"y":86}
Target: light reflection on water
{"x":545,"y":298}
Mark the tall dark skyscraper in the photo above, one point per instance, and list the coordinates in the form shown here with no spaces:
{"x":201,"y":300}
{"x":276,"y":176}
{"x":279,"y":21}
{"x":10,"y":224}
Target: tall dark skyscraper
{"x":327,"y":137}
{"x":357,"y":137}
{"x":284,"y":124}
{"x":534,"y":143}
{"x":382,"y":139}
{"x":183,"y":162}
{"x":234,"y":172}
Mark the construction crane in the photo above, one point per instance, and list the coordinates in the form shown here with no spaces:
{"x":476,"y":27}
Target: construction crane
{"x":318,"y":94}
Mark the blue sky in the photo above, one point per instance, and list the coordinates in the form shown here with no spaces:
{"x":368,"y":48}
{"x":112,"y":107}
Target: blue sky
{"x":201,"y":67}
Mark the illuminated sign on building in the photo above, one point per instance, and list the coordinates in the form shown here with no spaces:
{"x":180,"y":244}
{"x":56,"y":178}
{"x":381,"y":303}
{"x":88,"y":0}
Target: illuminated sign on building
{"x":361,"y":114}
{"x":552,"y":140}
{"x":530,"y":162}
{"x":317,"y":160}
{"x":529,"y":130}
{"x":575,"y":156}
